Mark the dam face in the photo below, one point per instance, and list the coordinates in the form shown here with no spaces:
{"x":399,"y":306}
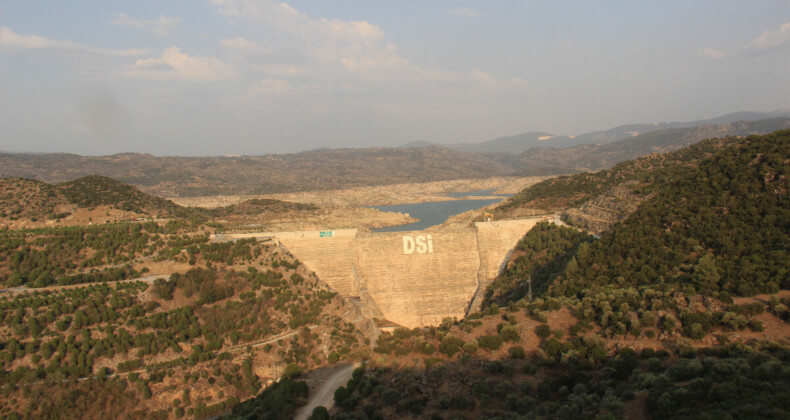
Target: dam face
{"x":414,"y":278}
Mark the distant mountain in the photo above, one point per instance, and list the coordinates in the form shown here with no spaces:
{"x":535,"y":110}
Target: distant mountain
{"x":326,"y":169}
{"x":316,"y":170}
{"x":525,"y":141}
{"x":509,"y":144}
{"x":421,"y":144}
{"x":631,"y":130}
{"x":590,"y":157}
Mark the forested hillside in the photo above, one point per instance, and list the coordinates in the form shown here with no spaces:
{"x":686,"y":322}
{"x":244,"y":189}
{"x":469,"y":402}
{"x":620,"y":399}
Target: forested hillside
{"x":230,"y":318}
{"x":715,"y":219}
{"x":643,"y":323}
{"x":557,"y":194}
{"x":721,"y":225}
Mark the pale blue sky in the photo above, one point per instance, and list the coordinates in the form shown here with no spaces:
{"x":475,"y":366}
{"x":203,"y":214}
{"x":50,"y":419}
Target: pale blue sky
{"x":176,"y":77}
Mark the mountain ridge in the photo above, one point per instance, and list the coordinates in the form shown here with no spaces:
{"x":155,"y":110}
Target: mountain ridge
{"x":524,"y":141}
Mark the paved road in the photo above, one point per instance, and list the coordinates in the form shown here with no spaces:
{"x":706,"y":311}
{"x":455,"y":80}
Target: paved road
{"x":326,"y":393}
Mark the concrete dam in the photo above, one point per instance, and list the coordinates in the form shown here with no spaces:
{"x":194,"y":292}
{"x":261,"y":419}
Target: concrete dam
{"x":413,"y":278}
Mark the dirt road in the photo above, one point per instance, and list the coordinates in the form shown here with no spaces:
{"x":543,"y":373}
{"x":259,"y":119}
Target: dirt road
{"x":326,"y":392}
{"x":22,"y":289}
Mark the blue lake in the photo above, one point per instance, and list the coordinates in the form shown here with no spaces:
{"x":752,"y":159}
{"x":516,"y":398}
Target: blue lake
{"x":432,"y":214}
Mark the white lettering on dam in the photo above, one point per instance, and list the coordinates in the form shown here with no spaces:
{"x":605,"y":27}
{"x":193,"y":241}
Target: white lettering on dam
{"x":420,"y":243}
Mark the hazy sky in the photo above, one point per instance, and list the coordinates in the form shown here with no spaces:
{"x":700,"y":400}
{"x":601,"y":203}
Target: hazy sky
{"x":187,"y":77}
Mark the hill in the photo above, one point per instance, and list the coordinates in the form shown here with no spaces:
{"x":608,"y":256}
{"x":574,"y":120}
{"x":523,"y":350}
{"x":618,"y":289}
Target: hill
{"x":591,"y":157}
{"x":28,"y":199}
{"x":95,"y":190}
{"x":522,"y":142}
{"x":651,"y":321}
{"x":559,"y":194}
{"x":509,"y":144}
{"x":638,"y":324}
{"x":716,"y":226}
{"x":630,"y":130}
{"x":710,"y":218}
{"x":225,"y":321}
{"x":90,"y":199}
{"x":97,"y":199}
{"x":306,"y":171}
{"x":345,"y":168}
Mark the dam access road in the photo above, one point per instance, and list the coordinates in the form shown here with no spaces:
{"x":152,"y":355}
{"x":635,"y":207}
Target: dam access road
{"x":413,"y":278}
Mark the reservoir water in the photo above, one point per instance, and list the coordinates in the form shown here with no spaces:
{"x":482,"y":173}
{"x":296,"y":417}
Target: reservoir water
{"x":435,"y":213}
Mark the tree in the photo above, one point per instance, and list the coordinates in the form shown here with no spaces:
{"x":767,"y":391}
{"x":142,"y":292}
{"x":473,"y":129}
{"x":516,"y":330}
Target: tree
{"x":490,"y":342}
{"x":706,"y":275}
{"x":291,"y":371}
{"x":319,"y":413}
{"x":517,"y":352}
{"x":509,"y":333}
{"x":543,"y":331}
{"x":450,"y":345}
{"x":341,"y":395}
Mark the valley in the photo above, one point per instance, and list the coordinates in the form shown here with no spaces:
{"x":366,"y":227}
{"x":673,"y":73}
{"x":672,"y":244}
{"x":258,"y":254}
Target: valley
{"x":220,"y":305}
{"x":511,"y":210}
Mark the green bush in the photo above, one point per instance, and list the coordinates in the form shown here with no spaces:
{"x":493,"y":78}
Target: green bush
{"x":509,"y":333}
{"x":450,"y":345}
{"x":292,"y":370}
{"x":319,"y":413}
{"x":471,"y":346}
{"x":490,"y":342}
{"x":517,"y":352}
{"x":341,"y":395}
{"x":543,"y":331}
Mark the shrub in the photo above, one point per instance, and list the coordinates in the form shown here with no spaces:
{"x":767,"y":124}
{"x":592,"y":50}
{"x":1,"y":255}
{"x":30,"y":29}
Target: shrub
{"x":319,"y":413}
{"x":471,"y":347}
{"x":450,"y":345}
{"x":517,"y":352}
{"x":430,"y":361}
{"x":341,"y":395}
{"x":164,"y":289}
{"x":490,"y":342}
{"x":756,"y":325}
{"x":390,"y":397}
{"x":292,"y":371}
{"x":509,"y":333}
{"x":543,"y":331}
{"x":667,"y":324}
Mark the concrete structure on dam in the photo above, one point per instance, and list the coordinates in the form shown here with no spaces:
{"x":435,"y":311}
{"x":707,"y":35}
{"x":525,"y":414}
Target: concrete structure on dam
{"x":414,"y":278}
